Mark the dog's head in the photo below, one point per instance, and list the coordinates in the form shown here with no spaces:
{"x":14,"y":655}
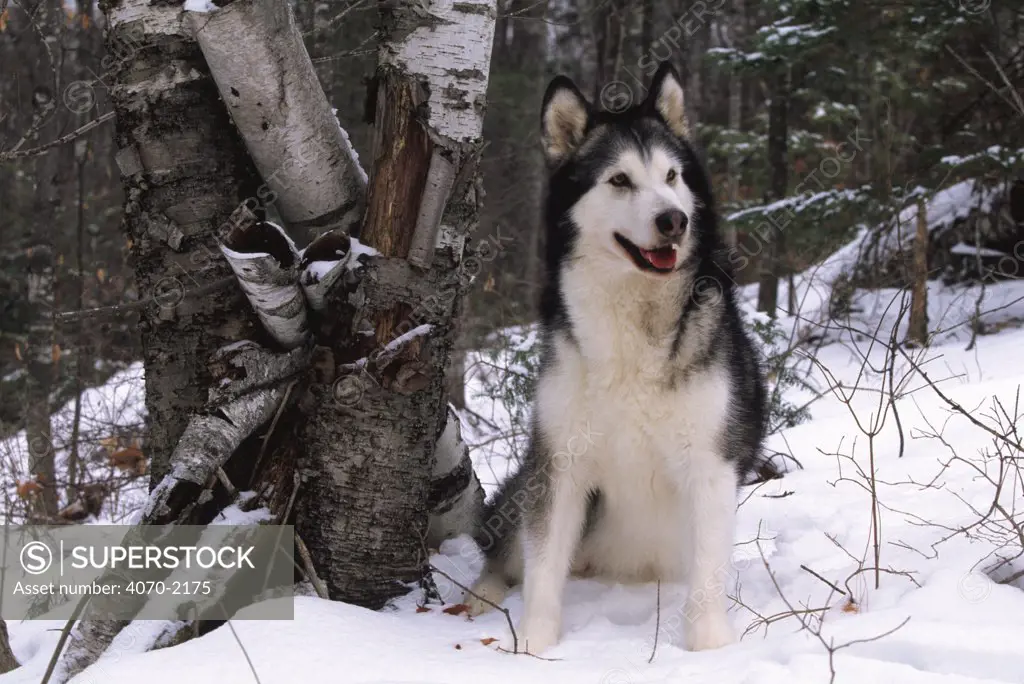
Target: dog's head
{"x":627,"y":185}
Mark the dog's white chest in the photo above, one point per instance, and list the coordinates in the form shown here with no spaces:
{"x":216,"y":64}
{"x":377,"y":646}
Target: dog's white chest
{"x":619,"y":376}
{"x":624,"y":423}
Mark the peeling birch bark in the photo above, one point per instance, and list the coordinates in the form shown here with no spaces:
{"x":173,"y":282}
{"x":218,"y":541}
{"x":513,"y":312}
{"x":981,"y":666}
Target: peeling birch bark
{"x":265,"y":262}
{"x":456,"y":498}
{"x":440,"y":178}
{"x":326,"y":260}
{"x":255,"y":52}
{"x":373,"y":424}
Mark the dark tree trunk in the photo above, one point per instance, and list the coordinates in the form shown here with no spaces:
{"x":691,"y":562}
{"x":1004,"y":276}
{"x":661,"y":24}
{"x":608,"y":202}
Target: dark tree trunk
{"x":184,"y":171}
{"x":774,"y":247}
{"x":735,"y":33}
{"x":646,"y":26}
{"x":696,"y":46}
{"x":917,"y":329}
{"x":40,"y":355}
{"x":609,"y":22}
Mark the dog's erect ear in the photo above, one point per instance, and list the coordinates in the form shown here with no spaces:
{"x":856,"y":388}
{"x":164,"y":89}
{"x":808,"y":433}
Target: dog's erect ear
{"x":564,"y":118}
{"x":666,"y":99}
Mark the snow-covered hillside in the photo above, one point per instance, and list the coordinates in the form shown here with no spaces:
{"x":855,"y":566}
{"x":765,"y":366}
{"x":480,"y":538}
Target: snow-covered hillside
{"x":803,"y":567}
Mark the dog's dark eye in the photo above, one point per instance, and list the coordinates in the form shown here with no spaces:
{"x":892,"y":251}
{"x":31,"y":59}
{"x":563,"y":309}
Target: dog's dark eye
{"x":671,"y":177}
{"x":620,"y":180}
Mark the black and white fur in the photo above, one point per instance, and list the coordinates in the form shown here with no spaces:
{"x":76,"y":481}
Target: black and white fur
{"x":650,"y":404}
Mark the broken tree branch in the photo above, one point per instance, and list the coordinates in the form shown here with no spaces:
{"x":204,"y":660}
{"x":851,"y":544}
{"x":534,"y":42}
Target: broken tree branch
{"x":326,"y":260}
{"x":272,"y":92}
{"x":237,"y":409}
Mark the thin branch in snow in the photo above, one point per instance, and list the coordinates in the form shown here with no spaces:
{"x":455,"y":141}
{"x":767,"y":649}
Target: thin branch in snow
{"x":64,"y":637}
{"x":816,"y":629}
{"x":830,"y":584}
{"x":492,"y":604}
{"x":244,"y":652}
{"x":657,"y":623}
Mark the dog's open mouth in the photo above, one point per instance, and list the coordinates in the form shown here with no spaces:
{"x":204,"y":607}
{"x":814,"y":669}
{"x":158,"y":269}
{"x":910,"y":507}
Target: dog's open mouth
{"x":661,"y":260}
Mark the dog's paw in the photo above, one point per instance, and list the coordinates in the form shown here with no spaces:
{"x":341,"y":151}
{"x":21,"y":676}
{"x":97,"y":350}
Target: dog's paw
{"x":490,"y":587}
{"x":538,"y":633}
{"x":710,"y":630}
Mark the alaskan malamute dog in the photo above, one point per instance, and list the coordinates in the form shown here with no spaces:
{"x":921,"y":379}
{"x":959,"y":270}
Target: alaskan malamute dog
{"x":650,"y":403}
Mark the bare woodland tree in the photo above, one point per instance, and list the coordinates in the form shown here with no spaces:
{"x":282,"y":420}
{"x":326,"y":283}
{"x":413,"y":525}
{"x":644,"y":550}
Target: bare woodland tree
{"x":778,"y":138}
{"x":917,"y":329}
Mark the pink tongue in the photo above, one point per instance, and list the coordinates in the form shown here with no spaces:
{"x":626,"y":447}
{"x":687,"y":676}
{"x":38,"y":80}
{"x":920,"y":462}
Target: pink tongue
{"x":663,"y":259}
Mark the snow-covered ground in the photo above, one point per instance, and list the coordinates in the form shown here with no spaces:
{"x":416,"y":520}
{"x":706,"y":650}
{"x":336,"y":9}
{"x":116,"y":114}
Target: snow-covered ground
{"x":935,"y":616}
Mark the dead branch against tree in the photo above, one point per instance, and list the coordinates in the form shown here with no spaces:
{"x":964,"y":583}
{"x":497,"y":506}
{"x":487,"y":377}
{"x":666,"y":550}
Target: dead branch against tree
{"x":62,"y":140}
{"x":271,"y":90}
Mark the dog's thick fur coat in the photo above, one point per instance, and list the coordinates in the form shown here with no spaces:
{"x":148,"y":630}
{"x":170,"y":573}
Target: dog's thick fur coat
{"x":650,"y":404}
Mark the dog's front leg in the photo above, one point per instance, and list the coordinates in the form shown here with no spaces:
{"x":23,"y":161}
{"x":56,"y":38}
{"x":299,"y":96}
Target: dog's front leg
{"x":553,"y":527}
{"x":712,"y":512}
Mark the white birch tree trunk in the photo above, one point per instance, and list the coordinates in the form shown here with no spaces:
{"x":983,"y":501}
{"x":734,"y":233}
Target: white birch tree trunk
{"x":370,"y":436}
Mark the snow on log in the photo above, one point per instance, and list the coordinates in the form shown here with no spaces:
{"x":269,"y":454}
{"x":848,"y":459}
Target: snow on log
{"x":456,"y":498}
{"x":326,"y":260}
{"x":265,"y":262}
{"x":256,"y":56}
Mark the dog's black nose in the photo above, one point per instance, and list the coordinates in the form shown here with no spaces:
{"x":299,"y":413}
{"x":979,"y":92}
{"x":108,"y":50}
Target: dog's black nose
{"x":671,"y":223}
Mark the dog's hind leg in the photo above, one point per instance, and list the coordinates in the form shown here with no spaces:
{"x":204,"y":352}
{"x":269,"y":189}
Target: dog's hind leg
{"x":504,"y":568}
{"x":552,"y":532}
{"x":487,"y":592}
{"x":499,"y":537}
